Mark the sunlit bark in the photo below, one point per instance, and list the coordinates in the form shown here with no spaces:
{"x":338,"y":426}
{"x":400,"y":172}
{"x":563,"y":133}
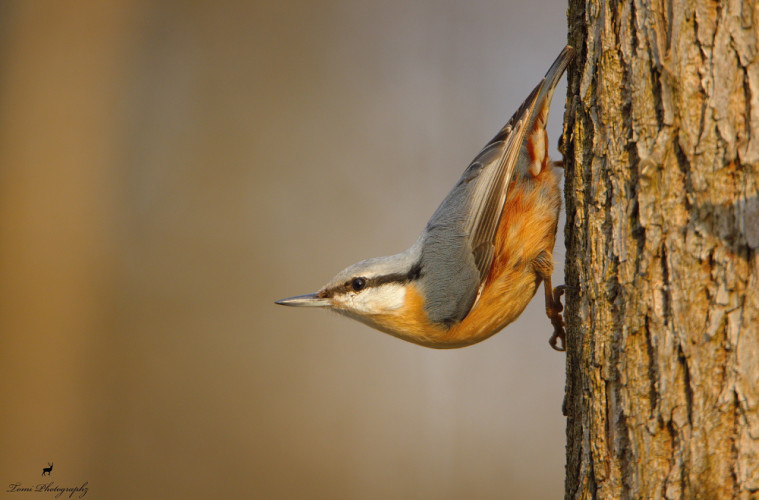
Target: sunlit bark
{"x":662,"y":183}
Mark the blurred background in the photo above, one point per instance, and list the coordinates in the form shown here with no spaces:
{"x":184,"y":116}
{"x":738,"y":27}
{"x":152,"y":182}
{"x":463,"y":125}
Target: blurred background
{"x":169,"y":169}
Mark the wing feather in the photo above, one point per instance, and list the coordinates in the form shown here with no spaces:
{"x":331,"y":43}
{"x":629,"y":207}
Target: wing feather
{"x":490,"y":193}
{"x":492,"y":190}
{"x":459,"y":242}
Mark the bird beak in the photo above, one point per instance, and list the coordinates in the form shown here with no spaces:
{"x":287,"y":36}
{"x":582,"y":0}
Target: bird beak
{"x":308,"y":300}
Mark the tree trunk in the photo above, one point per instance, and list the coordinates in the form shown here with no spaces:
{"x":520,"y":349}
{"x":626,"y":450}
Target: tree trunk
{"x":662,"y":183}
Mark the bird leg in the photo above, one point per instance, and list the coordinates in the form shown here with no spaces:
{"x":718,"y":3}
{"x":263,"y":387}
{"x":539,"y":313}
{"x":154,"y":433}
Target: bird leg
{"x":553,"y":311}
{"x":543,"y":267}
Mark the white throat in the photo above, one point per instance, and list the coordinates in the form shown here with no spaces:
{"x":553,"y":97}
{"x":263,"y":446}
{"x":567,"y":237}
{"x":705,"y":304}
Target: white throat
{"x":381,"y":299}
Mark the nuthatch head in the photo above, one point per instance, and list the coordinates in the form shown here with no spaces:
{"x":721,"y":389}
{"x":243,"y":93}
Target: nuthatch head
{"x":483,"y":254}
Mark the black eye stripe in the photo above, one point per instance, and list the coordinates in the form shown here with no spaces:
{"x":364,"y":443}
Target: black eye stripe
{"x":414,"y":274}
{"x":359,"y":283}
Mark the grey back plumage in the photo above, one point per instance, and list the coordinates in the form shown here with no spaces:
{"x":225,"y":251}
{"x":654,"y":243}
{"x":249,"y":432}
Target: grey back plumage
{"x":458,"y":241}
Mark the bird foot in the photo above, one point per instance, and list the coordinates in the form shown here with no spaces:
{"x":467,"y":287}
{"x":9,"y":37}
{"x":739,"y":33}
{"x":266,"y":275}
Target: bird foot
{"x":553,"y":310}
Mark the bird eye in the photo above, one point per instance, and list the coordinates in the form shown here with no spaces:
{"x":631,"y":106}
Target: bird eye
{"x":358,"y":284}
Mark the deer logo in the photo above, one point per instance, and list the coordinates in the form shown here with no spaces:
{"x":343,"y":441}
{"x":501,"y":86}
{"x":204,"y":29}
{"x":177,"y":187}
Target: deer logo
{"x":47,"y":470}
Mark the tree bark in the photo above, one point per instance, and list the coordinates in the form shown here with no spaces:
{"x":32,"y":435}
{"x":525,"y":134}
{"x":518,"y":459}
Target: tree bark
{"x":662,"y":180}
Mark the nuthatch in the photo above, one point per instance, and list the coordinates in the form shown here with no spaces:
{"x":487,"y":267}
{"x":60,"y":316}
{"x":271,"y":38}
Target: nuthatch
{"x":482,"y":255}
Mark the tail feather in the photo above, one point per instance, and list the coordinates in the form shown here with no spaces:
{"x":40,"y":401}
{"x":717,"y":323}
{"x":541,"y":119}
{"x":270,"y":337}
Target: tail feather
{"x":535,"y":145}
{"x":540,"y":95}
{"x":554,"y":74}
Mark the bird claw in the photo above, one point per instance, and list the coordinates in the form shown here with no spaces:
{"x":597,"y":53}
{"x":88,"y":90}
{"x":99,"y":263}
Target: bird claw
{"x":553,"y":310}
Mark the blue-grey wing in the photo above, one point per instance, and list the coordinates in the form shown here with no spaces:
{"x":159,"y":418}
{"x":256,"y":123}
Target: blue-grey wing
{"x":460,"y":237}
{"x":459,"y":241}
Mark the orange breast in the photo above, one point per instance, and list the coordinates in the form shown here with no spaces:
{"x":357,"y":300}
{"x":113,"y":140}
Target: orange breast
{"x":410,"y":322}
{"x":527,"y":228}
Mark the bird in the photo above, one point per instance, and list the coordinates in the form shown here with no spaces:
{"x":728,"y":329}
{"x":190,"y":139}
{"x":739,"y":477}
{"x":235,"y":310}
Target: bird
{"x":484,"y":252}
